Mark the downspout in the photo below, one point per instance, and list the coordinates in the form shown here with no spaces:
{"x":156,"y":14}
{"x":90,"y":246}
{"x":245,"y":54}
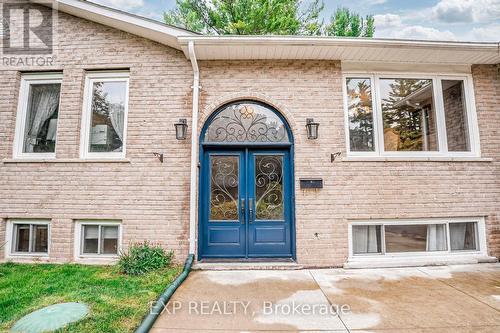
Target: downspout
{"x":194,"y":149}
{"x":159,"y":305}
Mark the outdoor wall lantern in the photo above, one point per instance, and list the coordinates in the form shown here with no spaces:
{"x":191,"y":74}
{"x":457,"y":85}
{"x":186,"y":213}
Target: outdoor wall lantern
{"x":181,"y":129}
{"x":312,"y":129}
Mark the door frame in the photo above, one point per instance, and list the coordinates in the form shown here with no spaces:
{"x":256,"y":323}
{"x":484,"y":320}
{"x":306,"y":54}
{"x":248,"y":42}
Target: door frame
{"x":203,"y":147}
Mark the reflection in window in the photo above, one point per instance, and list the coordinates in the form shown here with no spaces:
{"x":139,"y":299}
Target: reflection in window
{"x":246,"y":122}
{"x":224,"y":186}
{"x":90,"y":238}
{"x":22,"y":232}
{"x":463,"y":236}
{"x":41,"y":118}
{"x":109,"y":244}
{"x":40,"y":235}
{"x":31,"y":238}
{"x":401,"y":238}
{"x":100,"y":239}
{"x":359,"y":106}
{"x":408,"y":115}
{"x":455,"y":115}
{"x":366,"y":239}
{"x":269,"y":187}
{"x":108,"y":116}
{"x":415,"y":238}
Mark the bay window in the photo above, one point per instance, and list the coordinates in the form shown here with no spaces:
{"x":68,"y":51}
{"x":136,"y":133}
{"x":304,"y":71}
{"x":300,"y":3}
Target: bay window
{"x":38,"y":111}
{"x":409,"y":115}
{"x":105,"y":115}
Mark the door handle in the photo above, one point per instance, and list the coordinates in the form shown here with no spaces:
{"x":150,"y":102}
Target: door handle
{"x":250,"y":210}
{"x":243,"y":211}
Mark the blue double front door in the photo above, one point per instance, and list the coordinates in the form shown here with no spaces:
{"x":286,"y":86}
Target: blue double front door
{"x":246,"y":200}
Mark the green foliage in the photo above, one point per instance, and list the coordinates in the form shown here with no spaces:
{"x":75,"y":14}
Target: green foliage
{"x":360,"y":114}
{"x":265,"y":17}
{"x":118,"y":302}
{"x":346,"y":23}
{"x":405,"y":119}
{"x":144,"y":257}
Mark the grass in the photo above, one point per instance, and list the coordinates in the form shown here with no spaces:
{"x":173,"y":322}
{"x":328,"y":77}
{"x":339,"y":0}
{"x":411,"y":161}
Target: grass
{"x":117,"y":302}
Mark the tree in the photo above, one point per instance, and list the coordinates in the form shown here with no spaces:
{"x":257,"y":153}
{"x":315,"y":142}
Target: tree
{"x":346,"y":23}
{"x":404,"y":118}
{"x":360,"y":114}
{"x":264,"y":17}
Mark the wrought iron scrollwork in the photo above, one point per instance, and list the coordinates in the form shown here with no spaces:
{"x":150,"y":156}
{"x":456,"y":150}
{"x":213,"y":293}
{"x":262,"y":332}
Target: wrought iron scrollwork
{"x":246,"y":123}
{"x":269,"y":187}
{"x":224,"y":188}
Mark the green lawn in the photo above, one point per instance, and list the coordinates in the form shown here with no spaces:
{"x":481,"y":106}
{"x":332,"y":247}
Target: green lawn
{"x":117,"y":302}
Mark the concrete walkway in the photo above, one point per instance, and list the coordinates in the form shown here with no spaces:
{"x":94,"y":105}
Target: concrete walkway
{"x":447,"y":299}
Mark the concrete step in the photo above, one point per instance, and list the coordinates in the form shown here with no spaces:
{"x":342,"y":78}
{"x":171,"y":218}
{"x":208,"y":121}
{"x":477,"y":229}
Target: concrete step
{"x":226,"y":266}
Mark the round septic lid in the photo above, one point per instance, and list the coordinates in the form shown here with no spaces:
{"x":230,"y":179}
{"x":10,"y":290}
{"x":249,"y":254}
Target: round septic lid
{"x":51,"y":318}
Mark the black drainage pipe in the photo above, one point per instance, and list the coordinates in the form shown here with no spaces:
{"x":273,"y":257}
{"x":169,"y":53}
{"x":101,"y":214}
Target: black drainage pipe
{"x":162,"y":301}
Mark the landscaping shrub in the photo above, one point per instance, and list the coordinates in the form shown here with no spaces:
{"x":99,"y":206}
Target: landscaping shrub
{"x":144,"y":257}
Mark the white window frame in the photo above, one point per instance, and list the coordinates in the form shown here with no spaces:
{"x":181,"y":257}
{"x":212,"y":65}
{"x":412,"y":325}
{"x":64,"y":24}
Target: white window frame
{"x":90,"y":78}
{"x":10,"y":238}
{"x":480,"y":236}
{"x":78,"y":250}
{"x":378,"y":126}
{"x":22,"y":109}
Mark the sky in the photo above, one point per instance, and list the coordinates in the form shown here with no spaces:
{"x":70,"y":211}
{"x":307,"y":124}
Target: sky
{"x":469,"y":20}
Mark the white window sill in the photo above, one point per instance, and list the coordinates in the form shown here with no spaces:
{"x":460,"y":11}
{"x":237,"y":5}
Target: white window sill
{"x":415,"y":159}
{"x":417,"y":260}
{"x":27,"y":258}
{"x":65,"y":160}
{"x":97,"y":260}
{"x":28,"y":255}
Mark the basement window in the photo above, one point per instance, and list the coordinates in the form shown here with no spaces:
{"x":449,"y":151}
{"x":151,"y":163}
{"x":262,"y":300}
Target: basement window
{"x":99,"y":238}
{"x":410,"y":115}
{"x":390,"y":237}
{"x":30,"y":237}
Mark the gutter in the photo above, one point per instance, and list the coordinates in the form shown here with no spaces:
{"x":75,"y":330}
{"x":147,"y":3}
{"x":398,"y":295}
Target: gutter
{"x":194,"y":148}
{"x":162,"y":301}
{"x":336,"y":41}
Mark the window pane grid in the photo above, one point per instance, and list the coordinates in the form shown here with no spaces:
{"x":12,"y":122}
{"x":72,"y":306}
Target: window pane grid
{"x":98,"y":239}
{"x":105,"y":119}
{"x":411,"y":115}
{"x":447,"y":237}
{"x":30,"y":238}
{"x":107,"y":116}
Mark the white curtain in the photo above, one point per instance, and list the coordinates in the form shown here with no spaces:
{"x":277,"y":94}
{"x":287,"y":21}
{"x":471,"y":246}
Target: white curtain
{"x":436,"y":237}
{"x":117,"y":116}
{"x":463,"y":236}
{"x":44,"y":102}
{"x":365,"y":239}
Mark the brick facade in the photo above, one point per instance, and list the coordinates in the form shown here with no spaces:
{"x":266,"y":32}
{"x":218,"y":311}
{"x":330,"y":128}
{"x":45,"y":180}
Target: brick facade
{"x":152,"y":199}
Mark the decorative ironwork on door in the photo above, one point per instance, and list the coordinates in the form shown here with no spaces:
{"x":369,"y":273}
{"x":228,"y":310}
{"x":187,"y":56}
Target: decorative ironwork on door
{"x":246,"y":122}
{"x":269,"y":187}
{"x":224,"y":186}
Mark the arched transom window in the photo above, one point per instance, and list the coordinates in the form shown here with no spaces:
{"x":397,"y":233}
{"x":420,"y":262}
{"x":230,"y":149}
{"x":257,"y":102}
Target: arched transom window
{"x":246,"y":122}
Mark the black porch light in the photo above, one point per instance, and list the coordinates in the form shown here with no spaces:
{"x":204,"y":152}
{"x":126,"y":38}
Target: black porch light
{"x":312,"y":129}
{"x":181,"y":129}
